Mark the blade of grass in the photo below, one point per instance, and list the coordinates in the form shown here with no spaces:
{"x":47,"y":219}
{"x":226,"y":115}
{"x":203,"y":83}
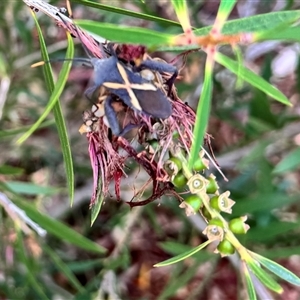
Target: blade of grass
{"x":277,"y":269}
{"x":126,"y":12}
{"x":252,"y":78}
{"x":264,"y":277}
{"x":249,"y":284}
{"x":58,"y":229}
{"x":127,"y":35}
{"x":202,"y":115}
{"x":32,"y":278}
{"x":53,"y":103}
{"x":182,"y":256}
{"x":224,"y":10}
{"x":64,"y":269}
{"x":182,"y":13}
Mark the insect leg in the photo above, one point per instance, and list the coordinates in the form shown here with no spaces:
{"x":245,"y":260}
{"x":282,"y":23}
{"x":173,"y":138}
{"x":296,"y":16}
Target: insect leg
{"x":160,"y":67}
{"x":111,"y":116}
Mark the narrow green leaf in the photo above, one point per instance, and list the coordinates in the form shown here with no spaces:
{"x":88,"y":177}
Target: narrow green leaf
{"x":252,"y":78}
{"x":262,"y":22}
{"x":182,"y":256}
{"x":9,"y":170}
{"x":64,"y":269}
{"x":225,"y":9}
{"x":99,"y":198}
{"x":277,"y":269}
{"x":54,"y":104}
{"x":59,"y":87}
{"x":182,"y":13}
{"x":28,"y":188}
{"x":58,"y":229}
{"x":126,"y":12}
{"x":31,"y":277}
{"x":128,"y":35}
{"x":15,"y":131}
{"x":264,"y":277}
{"x":249,"y":284}
{"x":263,"y":201}
{"x":289,"y":34}
{"x":202,"y":115}
{"x":288,"y":163}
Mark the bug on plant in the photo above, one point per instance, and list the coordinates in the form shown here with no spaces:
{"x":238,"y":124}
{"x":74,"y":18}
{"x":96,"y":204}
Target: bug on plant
{"x":131,"y":87}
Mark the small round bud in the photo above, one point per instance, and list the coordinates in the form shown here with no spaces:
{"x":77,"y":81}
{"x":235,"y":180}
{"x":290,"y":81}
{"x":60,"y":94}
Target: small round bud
{"x":212,"y":186}
{"x":179,"y":180}
{"x":238,"y":225}
{"x":194,"y":201}
{"x":225,"y":248}
{"x":173,"y":165}
{"x":222,"y":202}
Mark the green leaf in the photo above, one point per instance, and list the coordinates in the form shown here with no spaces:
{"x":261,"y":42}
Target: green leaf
{"x":64,"y":269}
{"x":99,"y":198}
{"x":15,"y":131}
{"x":58,"y":229}
{"x":252,"y":78}
{"x":126,"y":12}
{"x":263,"y":201}
{"x":285,"y":252}
{"x":127,"y":35}
{"x":202,"y":115}
{"x":262,"y":22}
{"x":225,"y":9}
{"x":30,"y":275}
{"x":182,"y":256}
{"x":9,"y":170}
{"x":182,"y":13}
{"x":249,"y":284}
{"x":289,"y":162}
{"x":54,"y":104}
{"x":27,"y":188}
{"x":289,"y":34}
{"x":277,"y":269}
{"x":264,"y":277}
{"x":271,"y":231}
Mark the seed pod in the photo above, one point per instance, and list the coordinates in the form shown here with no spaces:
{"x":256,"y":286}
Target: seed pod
{"x":212,"y":186}
{"x":214,"y":231}
{"x":225,"y":248}
{"x":197,"y":184}
{"x":194,"y":201}
{"x":222,"y":202}
{"x":179,"y":180}
{"x":238,"y":225}
{"x":173,"y":165}
{"x":201,"y":164}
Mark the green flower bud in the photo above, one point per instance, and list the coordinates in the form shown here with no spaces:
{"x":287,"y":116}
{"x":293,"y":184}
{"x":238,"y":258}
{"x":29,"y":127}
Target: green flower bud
{"x":194,"y":201}
{"x":238,"y":225}
{"x":179,"y":180}
{"x":173,"y":165}
{"x":222,"y":202}
{"x":212,"y":186}
{"x":201,"y":163}
{"x":225,"y":248}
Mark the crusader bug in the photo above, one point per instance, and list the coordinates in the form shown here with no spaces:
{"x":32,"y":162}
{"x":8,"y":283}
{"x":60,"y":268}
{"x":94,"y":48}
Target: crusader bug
{"x":131,"y":87}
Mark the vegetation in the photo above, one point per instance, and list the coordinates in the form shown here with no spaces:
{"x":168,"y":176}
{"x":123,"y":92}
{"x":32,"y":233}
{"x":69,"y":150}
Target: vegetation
{"x":126,"y":245}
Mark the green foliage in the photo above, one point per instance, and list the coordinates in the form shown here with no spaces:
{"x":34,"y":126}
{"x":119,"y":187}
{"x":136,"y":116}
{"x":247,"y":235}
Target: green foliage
{"x":263,"y":183}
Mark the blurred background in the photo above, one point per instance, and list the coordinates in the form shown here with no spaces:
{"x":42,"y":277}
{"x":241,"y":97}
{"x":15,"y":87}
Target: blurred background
{"x":256,"y":142}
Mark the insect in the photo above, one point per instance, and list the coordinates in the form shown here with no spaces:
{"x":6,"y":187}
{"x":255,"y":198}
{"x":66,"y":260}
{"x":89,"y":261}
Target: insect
{"x":128,"y":84}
